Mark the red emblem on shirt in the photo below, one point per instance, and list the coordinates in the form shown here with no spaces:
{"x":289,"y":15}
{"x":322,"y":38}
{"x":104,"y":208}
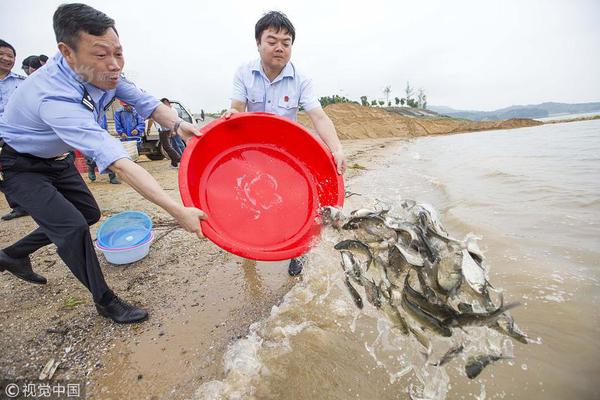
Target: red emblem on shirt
{"x":286,"y":99}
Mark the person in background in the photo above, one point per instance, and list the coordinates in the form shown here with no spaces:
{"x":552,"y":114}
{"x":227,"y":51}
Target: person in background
{"x":129,"y":124}
{"x":31,"y":64}
{"x":91,"y":164}
{"x":274,"y":84}
{"x":202,"y":115}
{"x":176,"y":141}
{"x":9,"y":82}
{"x":165,"y":136}
{"x":43,"y":59}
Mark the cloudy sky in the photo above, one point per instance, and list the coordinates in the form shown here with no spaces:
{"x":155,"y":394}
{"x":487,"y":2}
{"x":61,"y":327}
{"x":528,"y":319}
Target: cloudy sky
{"x":478,"y":55}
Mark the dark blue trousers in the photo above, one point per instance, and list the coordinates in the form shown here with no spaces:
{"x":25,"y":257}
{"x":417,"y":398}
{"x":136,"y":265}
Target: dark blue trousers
{"x":59,"y":201}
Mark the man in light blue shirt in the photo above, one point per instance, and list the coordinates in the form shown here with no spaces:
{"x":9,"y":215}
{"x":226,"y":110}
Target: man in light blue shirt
{"x":273,"y":84}
{"x":9,"y":81}
{"x":56,"y":110}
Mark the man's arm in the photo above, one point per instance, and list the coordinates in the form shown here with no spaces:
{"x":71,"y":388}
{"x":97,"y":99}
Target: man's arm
{"x":165,"y":116}
{"x":236,"y":107}
{"x":326,"y":131}
{"x":143,"y":183}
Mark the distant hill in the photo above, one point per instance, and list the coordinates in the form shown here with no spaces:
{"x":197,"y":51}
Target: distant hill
{"x":527,"y":111}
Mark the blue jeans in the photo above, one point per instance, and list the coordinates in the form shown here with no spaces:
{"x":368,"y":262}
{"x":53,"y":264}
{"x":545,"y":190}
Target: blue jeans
{"x":177,"y":144}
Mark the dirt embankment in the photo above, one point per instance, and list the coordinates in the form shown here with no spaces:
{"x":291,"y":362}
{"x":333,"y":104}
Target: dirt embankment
{"x":353,"y":121}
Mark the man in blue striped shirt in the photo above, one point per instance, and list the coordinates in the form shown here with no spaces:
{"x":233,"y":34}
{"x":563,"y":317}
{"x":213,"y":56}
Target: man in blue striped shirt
{"x":56,"y":110}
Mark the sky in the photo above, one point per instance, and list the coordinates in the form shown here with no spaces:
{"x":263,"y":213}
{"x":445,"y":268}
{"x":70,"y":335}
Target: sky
{"x":470,"y":55}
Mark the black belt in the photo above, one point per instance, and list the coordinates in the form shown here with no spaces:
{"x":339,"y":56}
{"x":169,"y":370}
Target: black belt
{"x":6,"y":149}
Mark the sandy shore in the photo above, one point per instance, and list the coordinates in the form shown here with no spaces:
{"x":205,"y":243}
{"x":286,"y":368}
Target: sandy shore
{"x":200,"y":298}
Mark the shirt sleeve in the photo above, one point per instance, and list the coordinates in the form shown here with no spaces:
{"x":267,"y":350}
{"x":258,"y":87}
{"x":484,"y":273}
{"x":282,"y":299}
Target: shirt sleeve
{"x":308,"y":98}
{"x":143,"y":102}
{"x":239,"y":89}
{"x":75,"y":125}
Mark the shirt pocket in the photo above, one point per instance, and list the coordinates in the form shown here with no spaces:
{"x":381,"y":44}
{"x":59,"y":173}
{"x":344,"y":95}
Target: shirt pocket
{"x":288,"y":102}
{"x":256,"y":97}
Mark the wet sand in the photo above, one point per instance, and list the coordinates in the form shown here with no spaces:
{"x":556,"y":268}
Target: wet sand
{"x":200,"y":298}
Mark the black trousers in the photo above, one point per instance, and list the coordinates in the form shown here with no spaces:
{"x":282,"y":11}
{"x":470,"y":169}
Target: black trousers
{"x":58,"y":200}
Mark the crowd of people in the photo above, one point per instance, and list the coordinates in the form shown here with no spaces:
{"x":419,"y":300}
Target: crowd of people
{"x":61,"y":106}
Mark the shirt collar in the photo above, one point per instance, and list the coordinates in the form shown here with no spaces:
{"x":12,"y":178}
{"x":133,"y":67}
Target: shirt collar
{"x":12,"y":75}
{"x":93,"y":91}
{"x":287,"y":71}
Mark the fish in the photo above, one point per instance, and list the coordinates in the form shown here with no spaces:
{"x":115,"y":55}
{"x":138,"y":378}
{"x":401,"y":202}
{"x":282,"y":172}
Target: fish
{"x":372,"y":228}
{"x":474,"y":274}
{"x":450,"y":354}
{"x":332,"y":216}
{"x":357,"y":246}
{"x":354,"y":293}
{"x":442,"y":311}
{"x":372,"y":292}
{"x":395,"y":317}
{"x":426,"y":319}
{"x":448,"y":273}
{"x":351,"y":266}
{"x":396,"y":261}
{"x":473,"y":248}
{"x":410,"y":256}
{"x":506,"y":325}
{"x":476,"y":364}
{"x":421,"y":337}
{"x":429,"y":218}
{"x":480,"y":319}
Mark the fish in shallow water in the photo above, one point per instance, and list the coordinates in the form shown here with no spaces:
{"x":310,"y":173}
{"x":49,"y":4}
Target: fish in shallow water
{"x":506,"y":325}
{"x":351,"y":266}
{"x":395,"y":317}
{"x":476,"y":364}
{"x":372,"y":292}
{"x":358,"y":247}
{"x":474,"y":274}
{"x":480,"y":319}
{"x":354,"y":293}
{"x":437,"y":309}
{"x":450,"y":354}
{"x":425,"y":318}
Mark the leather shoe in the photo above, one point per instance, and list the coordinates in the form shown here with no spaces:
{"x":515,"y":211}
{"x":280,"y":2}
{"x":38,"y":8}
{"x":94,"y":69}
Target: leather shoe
{"x":296,"y":265}
{"x":21,"y":268}
{"x":14,"y":213}
{"x":121,"y":312}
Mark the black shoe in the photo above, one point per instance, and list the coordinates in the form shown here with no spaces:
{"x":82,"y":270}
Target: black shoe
{"x":296,"y":265}
{"x":15,"y":213}
{"x":121,"y":312}
{"x":21,"y":268}
{"x":115,"y":181}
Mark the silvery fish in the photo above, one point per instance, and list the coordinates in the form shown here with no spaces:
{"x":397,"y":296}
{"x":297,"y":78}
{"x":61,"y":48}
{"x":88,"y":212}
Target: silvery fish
{"x":333,"y":216}
{"x":450,"y":354}
{"x":356,"y":246}
{"x":439,"y":310}
{"x":480,"y":319}
{"x":424,"y":318}
{"x":350,"y":266}
{"x":411,"y":256}
{"x":395,"y":317}
{"x":506,"y":325}
{"x":474,"y":274}
{"x":372,"y":292}
{"x":354,"y":293}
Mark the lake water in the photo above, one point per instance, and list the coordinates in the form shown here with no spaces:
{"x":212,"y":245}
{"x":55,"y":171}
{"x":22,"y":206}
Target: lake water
{"x":533,"y":196}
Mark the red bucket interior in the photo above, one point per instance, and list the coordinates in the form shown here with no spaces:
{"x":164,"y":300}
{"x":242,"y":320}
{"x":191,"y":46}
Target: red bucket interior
{"x":261,"y":179}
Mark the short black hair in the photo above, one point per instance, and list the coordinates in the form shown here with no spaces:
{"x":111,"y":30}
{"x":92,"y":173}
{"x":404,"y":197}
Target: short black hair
{"x":6,"y":44}
{"x":70,"y":19}
{"x":43,"y":58}
{"x":32,"y":61}
{"x":276,"y":20}
{"x":164,"y":99}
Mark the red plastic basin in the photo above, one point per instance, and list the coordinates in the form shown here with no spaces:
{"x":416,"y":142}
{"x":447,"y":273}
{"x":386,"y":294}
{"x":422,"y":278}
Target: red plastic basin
{"x":261,"y":179}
